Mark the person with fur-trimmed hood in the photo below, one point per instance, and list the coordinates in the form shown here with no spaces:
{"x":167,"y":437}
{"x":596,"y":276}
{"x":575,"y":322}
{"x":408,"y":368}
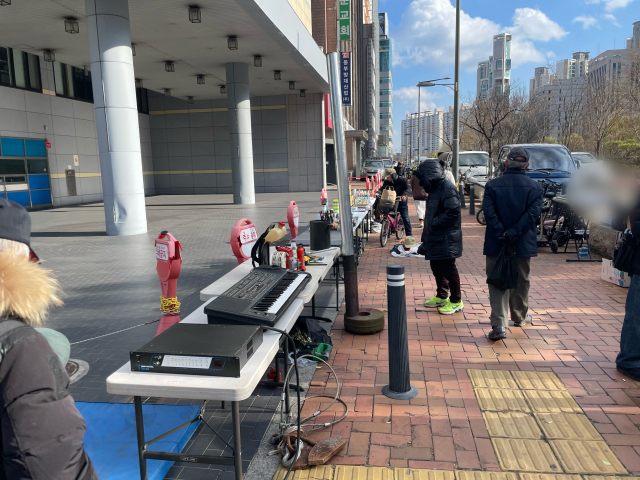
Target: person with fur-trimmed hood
{"x":42,"y":430}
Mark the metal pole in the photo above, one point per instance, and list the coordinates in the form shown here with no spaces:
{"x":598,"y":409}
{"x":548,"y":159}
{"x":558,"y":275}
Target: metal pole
{"x":419,"y":89}
{"x":237,"y":444}
{"x":137,"y":405}
{"x":399,"y":386}
{"x":461,"y":194}
{"x":346,"y":224}
{"x":456,"y":100}
{"x":472,"y":200}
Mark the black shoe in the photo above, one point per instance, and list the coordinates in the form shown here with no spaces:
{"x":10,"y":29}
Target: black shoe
{"x":527,"y":321}
{"x":632,"y":373}
{"x":498,"y":333}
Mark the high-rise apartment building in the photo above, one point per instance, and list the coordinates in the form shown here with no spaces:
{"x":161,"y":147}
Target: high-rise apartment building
{"x":494,"y":75}
{"x":540,"y":78}
{"x":385,"y":138}
{"x":578,"y":66}
{"x":634,"y":41}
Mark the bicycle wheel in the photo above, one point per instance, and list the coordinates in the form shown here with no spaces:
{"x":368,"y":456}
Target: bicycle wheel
{"x":384,"y":232}
{"x":480,"y":217}
{"x":400,"y":228}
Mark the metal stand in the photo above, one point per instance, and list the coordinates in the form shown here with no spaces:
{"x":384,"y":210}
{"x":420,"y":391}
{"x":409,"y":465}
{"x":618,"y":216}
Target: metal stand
{"x":144,"y":454}
{"x":461,"y":195}
{"x":472,"y":200}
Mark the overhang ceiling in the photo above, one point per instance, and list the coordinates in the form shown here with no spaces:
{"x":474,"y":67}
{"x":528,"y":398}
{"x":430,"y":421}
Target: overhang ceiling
{"x":161,"y":31}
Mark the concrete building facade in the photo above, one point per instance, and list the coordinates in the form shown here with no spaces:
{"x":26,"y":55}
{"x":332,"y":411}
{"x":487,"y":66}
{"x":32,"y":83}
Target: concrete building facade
{"x":494,"y":75}
{"x":385,"y":139}
{"x":141,"y":101}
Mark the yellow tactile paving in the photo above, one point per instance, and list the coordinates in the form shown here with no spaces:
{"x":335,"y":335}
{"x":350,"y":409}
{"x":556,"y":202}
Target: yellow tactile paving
{"x":548,"y":476}
{"x":525,"y":455}
{"x":414,"y":474}
{"x":567,"y":426}
{"x":550,"y":401}
{"x":578,"y":456}
{"x":492,"y":379}
{"x":322,"y":472}
{"x":512,"y":425}
{"x":538,"y":380}
{"x":499,"y":400}
{"x":347,"y":472}
{"x":477,"y":475}
{"x":608,"y":477}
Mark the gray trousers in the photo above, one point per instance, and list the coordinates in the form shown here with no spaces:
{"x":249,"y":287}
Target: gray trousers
{"x":515,"y":300}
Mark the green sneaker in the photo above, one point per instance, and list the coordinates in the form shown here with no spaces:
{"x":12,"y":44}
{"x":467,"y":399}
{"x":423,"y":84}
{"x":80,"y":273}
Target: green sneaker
{"x":451,"y":308}
{"x":436,"y":302}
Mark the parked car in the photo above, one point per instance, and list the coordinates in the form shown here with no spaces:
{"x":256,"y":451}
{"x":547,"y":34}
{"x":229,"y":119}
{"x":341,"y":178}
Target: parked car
{"x":478,"y":161}
{"x":387,"y":163}
{"x":372,"y":167}
{"x":584,"y":158}
{"x":546,"y":161}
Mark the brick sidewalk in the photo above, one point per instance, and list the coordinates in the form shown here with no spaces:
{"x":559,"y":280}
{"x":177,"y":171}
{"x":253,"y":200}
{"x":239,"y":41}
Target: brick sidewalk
{"x":577,"y":320}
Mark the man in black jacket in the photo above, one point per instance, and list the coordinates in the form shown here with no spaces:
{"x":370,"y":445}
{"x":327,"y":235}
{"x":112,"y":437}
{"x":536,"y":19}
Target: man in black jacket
{"x":512,"y":205}
{"x":400,"y":169}
{"x":42,"y":431}
{"x":403,"y":190}
{"x":628,"y":360}
{"x":442,"y":236}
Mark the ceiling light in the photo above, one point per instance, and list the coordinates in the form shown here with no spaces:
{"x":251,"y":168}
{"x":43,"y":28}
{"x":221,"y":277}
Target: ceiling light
{"x":195,"y":14}
{"x":138,"y":83}
{"x":303,"y":93}
{"x":257,"y":61}
{"x":49,"y":56}
{"x":71,"y":25}
{"x":167,"y":92}
{"x":223,"y":89}
{"x":5,"y":2}
{"x":277,"y":75}
{"x":133,"y":49}
{"x":169,"y":67}
{"x":292,"y":85}
{"x":200,"y":79}
{"x":190,"y":100}
{"x":232,"y":43}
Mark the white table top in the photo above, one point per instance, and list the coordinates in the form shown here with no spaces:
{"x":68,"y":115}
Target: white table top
{"x":199,"y":387}
{"x":318,"y":273}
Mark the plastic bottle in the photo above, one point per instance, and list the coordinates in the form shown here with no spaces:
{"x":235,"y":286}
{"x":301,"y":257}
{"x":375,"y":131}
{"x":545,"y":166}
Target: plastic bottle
{"x":276,"y":233}
{"x":301,"y":258}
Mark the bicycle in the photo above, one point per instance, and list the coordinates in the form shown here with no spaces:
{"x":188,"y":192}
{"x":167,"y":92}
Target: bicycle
{"x":391,"y":223}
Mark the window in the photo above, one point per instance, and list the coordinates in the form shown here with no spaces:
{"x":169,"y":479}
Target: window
{"x":19,"y":69}
{"x":507,"y":64}
{"x":385,"y":80}
{"x":385,"y":92}
{"x":385,"y":115}
{"x":385,"y":104}
{"x":498,"y":64}
{"x":142,"y":100}
{"x":73,"y":82}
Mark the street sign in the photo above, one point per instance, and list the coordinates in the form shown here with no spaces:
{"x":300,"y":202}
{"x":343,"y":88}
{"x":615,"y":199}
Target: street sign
{"x":345,"y":78}
{"x":345,"y":19}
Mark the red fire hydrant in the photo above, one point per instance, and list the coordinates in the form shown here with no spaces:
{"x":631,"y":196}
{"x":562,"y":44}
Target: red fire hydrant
{"x":169,"y":262}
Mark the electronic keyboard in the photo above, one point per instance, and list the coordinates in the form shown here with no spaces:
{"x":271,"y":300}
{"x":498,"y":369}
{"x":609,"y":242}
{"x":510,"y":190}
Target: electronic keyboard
{"x":260,"y":298}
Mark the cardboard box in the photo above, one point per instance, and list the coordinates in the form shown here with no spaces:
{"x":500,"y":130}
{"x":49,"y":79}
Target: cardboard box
{"x":612,"y":275}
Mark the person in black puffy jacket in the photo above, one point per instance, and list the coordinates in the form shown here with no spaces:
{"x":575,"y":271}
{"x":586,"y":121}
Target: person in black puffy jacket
{"x":442,"y":236}
{"x":512,"y":205}
{"x":403,"y":191}
{"x":628,"y":360}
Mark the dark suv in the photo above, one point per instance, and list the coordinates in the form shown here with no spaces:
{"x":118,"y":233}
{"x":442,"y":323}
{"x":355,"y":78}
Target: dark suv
{"x":546,"y":161}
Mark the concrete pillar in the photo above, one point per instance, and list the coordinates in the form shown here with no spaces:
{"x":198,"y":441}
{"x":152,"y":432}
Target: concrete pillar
{"x":240,"y":133}
{"x":116,"y":115}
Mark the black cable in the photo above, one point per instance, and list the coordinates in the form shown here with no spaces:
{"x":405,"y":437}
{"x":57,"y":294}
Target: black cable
{"x":256,"y":251}
{"x":295,"y":364}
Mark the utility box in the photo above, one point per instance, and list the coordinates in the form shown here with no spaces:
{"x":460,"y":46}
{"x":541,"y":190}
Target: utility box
{"x":72,"y":190}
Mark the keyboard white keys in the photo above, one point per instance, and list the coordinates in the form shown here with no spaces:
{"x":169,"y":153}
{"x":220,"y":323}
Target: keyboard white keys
{"x":284,"y":296}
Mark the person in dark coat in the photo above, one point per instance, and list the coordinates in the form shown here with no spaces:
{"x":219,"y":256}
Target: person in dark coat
{"x":42,"y":431}
{"x":628,"y":360}
{"x":400,"y":169}
{"x":403,"y":191}
{"x":512,"y":205}
{"x":442,"y":236}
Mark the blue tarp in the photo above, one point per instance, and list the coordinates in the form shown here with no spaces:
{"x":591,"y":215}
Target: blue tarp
{"x":111,"y":440}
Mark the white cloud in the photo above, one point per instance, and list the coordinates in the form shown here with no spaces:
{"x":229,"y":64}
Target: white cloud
{"x":610,"y":5}
{"x":587,"y":21}
{"x":409,"y":96}
{"x":426,"y":35}
{"x":611,"y":18}
{"x":535,"y":25}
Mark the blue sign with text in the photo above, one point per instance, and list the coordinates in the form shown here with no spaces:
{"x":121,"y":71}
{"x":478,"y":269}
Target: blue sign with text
{"x":345,"y":78}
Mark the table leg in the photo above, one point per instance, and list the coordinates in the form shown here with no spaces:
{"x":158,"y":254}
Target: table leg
{"x":137,"y":402}
{"x":337,"y":283}
{"x":237,"y":445}
{"x":286,"y":375}
{"x":313,"y":306}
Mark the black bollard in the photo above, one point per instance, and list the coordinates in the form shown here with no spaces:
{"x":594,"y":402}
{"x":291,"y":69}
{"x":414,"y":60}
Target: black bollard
{"x":399,"y":387}
{"x":472,"y":200}
{"x":461,"y":193}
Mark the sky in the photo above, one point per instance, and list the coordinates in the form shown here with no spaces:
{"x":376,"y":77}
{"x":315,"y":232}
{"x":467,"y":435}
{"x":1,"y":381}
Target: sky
{"x":544,"y":31}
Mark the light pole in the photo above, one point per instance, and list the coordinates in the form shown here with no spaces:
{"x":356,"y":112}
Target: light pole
{"x":426,"y":83}
{"x":456,"y":100}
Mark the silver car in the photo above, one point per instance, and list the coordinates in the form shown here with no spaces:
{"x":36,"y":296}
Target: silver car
{"x":372,"y":167}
